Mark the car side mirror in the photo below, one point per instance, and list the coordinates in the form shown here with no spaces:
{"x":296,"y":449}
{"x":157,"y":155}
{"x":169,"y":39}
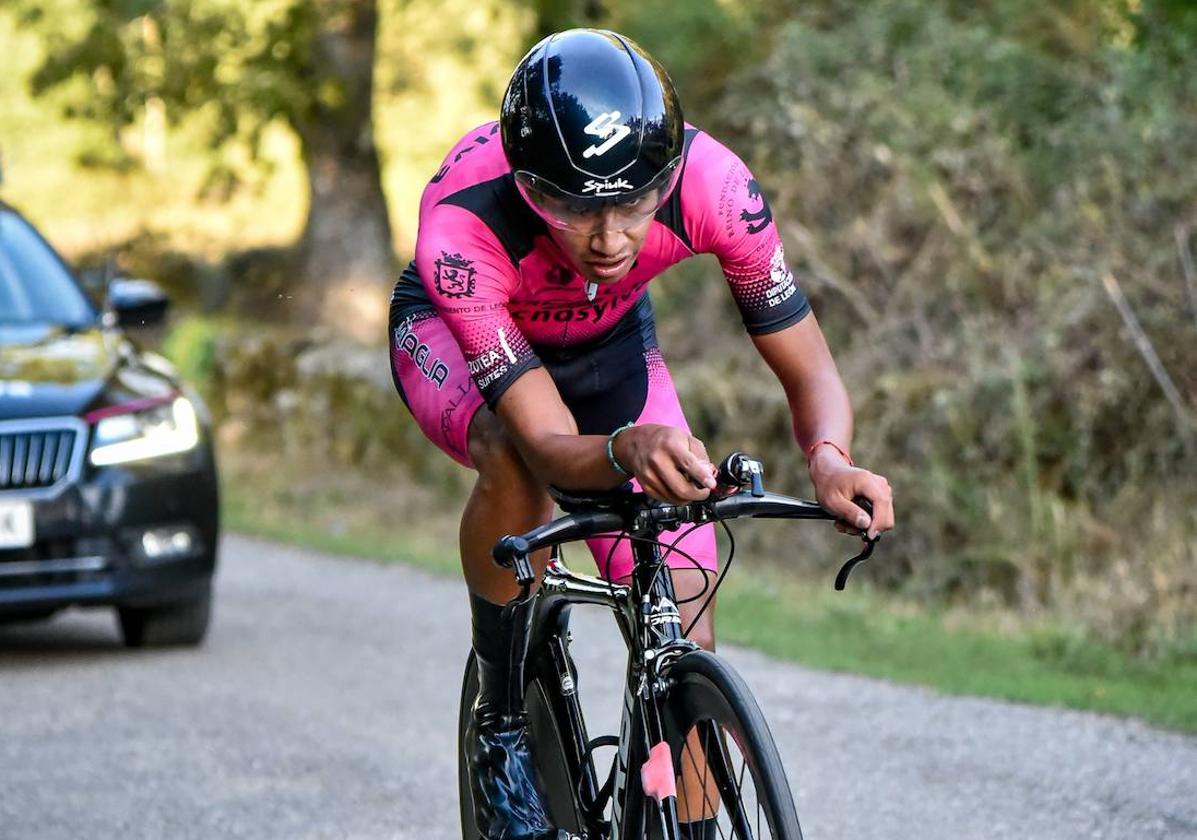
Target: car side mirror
{"x":137,"y":303}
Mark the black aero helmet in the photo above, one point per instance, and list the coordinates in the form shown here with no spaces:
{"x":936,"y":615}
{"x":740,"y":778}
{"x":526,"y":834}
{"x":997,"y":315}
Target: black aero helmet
{"x":590,"y":119}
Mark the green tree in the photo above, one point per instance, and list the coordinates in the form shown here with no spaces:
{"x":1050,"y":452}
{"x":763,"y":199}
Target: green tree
{"x":234,"y":69}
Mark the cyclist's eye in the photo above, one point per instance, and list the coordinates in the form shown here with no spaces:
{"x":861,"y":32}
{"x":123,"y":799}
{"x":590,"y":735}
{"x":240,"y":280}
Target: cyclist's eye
{"x":645,"y":204}
{"x":569,"y":212}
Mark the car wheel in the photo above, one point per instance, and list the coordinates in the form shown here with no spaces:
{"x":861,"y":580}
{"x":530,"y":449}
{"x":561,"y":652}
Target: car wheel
{"x":183,"y":623}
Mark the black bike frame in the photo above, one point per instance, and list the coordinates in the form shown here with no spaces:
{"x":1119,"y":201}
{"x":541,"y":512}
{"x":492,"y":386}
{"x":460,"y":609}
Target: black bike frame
{"x":647,"y":615}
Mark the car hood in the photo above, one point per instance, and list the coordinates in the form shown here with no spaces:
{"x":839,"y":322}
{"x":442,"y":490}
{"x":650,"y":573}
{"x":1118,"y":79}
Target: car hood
{"x":49,"y":370}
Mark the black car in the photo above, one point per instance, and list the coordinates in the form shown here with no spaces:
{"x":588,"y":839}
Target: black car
{"x":108,"y":491}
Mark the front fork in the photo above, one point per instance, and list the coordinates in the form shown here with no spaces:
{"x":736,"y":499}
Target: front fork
{"x":655,"y":640}
{"x":660,"y":643}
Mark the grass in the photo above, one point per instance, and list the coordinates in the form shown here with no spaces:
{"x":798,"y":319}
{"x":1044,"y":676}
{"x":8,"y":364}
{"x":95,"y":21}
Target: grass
{"x":859,"y":631}
{"x":869,"y":634}
{"x":325,"y":513}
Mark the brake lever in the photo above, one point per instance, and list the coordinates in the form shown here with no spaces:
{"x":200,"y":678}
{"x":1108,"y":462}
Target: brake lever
{"x":841,"y":579}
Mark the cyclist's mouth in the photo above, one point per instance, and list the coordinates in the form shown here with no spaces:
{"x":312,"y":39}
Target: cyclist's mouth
{"x":609,"y":270}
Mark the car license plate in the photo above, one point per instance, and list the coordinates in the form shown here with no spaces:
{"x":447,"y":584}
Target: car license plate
{"x":16,"y":523}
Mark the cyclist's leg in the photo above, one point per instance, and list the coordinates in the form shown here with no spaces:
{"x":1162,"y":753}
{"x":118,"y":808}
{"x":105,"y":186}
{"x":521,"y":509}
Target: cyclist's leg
{"x":433,"y":381}
{"x":505,"y":499}
{"x":694,"y":563}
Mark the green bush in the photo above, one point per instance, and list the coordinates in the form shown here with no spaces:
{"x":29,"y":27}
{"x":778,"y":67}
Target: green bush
{"x":956,"y":190}
{"x":192,"y":346}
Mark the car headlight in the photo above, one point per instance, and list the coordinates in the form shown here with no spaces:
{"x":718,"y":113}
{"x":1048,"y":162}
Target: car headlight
{"x":142,"y":432}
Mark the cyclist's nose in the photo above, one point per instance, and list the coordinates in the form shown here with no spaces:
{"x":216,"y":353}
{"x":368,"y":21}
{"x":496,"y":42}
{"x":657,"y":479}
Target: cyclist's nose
{"x":608,"y":242}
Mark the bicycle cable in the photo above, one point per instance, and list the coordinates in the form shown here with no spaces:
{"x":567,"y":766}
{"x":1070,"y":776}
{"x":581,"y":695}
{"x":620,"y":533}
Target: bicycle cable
{"x":731,"y":556}
{"x":672,"y":548}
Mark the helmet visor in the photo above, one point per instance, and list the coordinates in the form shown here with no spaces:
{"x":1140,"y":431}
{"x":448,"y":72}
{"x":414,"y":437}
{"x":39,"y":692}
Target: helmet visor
{"x":607,"y":205}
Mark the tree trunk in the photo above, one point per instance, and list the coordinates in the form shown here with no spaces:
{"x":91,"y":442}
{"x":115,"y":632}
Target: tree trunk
{"x":346,"y":261}
{"x":555,"y":15}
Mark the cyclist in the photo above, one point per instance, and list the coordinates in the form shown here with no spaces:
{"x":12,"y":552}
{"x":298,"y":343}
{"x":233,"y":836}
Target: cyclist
{"x":537,"y":238}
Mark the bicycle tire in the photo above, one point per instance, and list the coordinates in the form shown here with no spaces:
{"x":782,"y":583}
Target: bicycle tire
{"x":707,"y":692}
{"x":548,"y":752}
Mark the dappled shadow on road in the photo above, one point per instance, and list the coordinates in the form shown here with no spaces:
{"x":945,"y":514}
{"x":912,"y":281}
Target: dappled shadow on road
{"x":67,"y":637}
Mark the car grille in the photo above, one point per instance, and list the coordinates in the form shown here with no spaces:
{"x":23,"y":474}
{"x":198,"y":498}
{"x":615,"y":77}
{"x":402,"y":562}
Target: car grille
{"x":35,"y":455}
{"x":54,"y":561}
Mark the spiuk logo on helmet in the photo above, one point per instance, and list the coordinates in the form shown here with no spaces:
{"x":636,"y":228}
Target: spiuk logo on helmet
{"x":608,"y":127}
{"x":603,"y":188}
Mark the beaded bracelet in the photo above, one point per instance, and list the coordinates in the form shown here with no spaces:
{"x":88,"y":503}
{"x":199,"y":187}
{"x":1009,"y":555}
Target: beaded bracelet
{"x":810,"y":450}
{"x":615,"y":465}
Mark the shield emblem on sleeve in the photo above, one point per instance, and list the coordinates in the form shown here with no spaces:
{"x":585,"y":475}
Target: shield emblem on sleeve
{"x":455,"y":275}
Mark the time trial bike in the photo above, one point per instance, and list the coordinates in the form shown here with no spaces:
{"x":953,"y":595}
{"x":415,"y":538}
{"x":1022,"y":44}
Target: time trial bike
{"x":694,"y":756}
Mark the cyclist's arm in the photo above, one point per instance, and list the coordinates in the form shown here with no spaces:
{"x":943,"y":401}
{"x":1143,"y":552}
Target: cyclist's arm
{"x":819,"y":403}
{"x":727,"y":214}
{"x":821,"y":411}
{"x":661,"y":457}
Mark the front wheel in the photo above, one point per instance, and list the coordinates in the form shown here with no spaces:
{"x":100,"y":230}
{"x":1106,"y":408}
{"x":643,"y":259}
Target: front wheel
{"x":730,"y":777}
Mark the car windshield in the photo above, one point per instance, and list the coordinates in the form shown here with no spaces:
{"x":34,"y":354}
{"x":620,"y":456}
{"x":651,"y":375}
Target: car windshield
{"x":35,"y":286}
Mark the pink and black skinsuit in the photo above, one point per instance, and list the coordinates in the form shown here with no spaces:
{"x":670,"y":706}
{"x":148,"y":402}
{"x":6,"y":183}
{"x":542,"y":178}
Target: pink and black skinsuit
{"x":490,"y":296}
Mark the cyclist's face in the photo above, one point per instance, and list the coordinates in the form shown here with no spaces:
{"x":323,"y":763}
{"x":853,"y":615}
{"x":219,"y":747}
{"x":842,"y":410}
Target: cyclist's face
{"x":605,"y":256}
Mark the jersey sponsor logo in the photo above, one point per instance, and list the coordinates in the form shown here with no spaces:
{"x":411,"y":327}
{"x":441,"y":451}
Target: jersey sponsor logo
{"x":434,"y":370}
{"x":605,"y":126}
{"x":731,"y":198}
{"x":463,"y":390}
{"x":490,"y":378}
{"x":781,"y":277}
{"x":483,"y":362}
{"x":757,"y":220}
{"x":455,"y":275}
{"x":491,"y":365}
{"x":479,"y":140}
{"x":567,"y":313}
{"x":605,"y":187}
{"x":570,"y":311}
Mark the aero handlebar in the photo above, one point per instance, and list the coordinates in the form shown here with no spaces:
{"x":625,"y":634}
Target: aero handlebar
{"x":637,"y":513}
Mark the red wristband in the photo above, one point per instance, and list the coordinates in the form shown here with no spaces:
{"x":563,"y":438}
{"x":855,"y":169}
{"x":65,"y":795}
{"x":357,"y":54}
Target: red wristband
{"x":810,"y":450}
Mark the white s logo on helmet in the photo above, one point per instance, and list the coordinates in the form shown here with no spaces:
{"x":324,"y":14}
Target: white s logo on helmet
{"x":607,"y":127}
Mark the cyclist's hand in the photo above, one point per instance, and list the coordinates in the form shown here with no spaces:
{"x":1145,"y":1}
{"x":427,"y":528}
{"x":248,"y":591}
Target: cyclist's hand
{"x":837,"y":483}
{"x":670,"y":464}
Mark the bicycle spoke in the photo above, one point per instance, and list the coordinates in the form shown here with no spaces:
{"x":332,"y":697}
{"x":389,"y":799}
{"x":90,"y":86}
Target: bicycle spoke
{"x":730,"y":787}
{"x":729,"y":765}
{"x":741,"y":805}
{"x":706,"y":800}
{"x":740,"y":790}
{"x":706,"y":753}
{"x":706,"y":764}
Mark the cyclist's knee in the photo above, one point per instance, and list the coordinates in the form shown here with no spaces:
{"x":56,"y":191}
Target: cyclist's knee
{"x":690,"y":597}
{"x":499,"y":463}
{"x":703,"y":633}
{"x":491,"y":448}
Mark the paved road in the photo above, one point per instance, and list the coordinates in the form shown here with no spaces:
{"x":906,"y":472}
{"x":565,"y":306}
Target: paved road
{"x":323,"y":706}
